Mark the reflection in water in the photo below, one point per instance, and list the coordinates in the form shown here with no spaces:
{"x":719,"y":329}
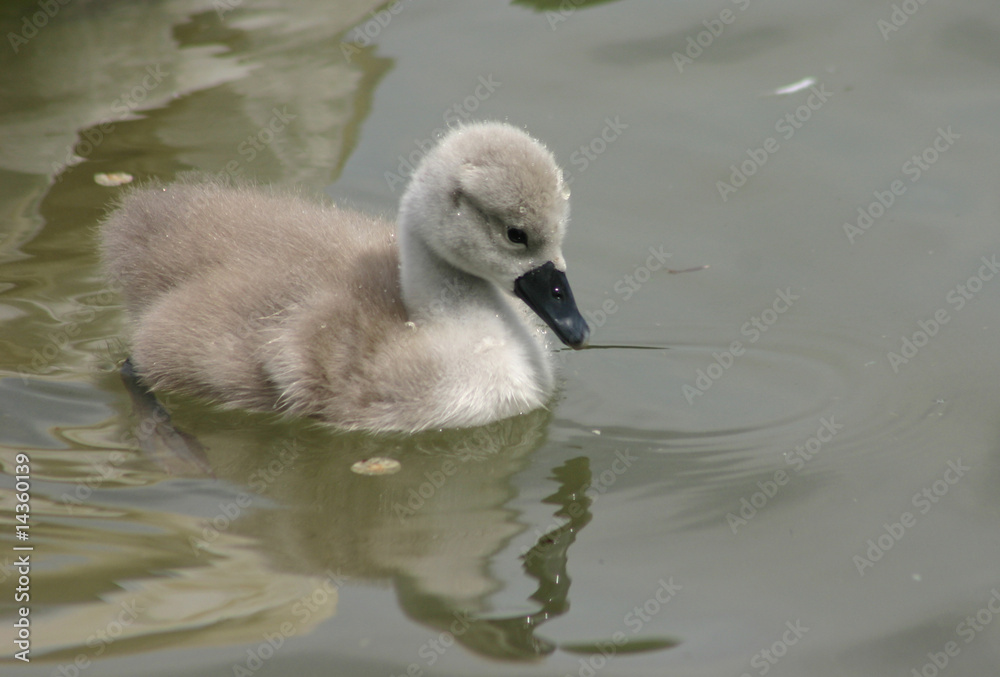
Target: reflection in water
{"x":513,"y":637}
{"x":294,"y":526}
{"x":302,"y":524}
{"x":173,"y":449}
{"x":78,"y":87}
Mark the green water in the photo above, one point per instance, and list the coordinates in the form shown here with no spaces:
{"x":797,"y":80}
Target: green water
{"x":784,"y":463}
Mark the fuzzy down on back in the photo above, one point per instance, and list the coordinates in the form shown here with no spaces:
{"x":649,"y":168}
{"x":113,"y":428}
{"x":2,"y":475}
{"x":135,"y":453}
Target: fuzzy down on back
{"x":259,"y":285}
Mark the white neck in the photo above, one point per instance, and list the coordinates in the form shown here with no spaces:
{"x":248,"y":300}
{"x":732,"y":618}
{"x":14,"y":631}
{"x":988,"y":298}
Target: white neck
{"x":434,"y":291}
{"x":432,"y":287}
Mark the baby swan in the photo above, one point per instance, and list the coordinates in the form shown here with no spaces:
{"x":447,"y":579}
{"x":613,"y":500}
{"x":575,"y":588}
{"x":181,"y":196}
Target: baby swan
{"x":266,"y":301}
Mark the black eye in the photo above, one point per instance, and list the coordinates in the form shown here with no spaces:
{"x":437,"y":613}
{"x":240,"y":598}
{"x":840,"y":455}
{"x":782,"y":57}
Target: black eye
{"x":517,"y":236}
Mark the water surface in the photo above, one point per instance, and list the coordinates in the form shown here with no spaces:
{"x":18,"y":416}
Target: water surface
{"x":784,"y":463}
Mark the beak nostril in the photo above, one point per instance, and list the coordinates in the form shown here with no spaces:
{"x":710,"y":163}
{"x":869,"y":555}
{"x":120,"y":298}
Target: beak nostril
{"x":547,"y":292}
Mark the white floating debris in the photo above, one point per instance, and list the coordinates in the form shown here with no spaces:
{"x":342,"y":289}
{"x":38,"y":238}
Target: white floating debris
{"x":377,"y":465}
{"x":113,"y":179}
{"x":804,"y":83}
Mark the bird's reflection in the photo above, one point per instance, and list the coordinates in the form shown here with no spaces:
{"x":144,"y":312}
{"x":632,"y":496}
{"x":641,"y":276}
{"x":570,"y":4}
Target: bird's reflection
{"x":431,"y":529}
{"x":514,"y":637}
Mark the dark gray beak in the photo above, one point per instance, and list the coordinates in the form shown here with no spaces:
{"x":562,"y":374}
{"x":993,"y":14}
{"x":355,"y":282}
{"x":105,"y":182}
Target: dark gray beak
{"x":546,"y":291}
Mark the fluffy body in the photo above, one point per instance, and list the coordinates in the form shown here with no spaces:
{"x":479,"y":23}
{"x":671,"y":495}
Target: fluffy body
{"x":263,"y":300}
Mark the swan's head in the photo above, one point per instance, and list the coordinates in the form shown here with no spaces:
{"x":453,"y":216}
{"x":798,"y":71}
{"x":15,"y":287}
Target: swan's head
{"x":491,"y":201}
